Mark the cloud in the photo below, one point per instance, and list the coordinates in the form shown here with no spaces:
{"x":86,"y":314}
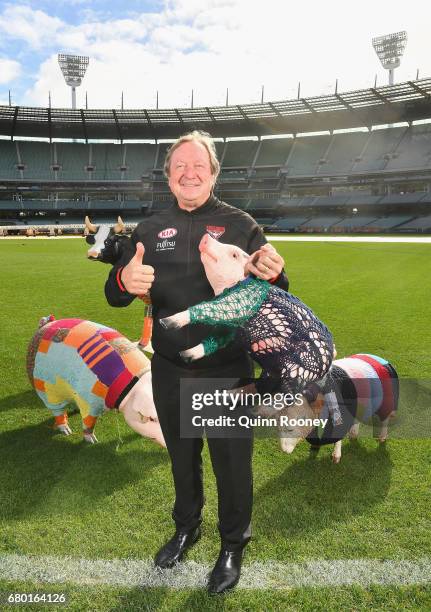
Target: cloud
{"x":34,"y":27}
{"x":9,"y":70}
{"x":209,"y":45}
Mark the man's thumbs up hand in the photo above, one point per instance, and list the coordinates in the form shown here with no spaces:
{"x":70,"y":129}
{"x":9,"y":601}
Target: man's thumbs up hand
{"x":139,"y":255}
{"x":136,"y":277}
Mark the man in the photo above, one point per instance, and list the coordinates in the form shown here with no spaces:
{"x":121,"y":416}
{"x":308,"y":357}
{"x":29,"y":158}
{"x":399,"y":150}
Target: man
{"x":168,"y":244}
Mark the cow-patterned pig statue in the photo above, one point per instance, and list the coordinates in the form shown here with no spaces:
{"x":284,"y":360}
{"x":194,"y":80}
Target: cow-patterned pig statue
{"x":106,"y":242}
{"x":73,"y":361}
{"x":281,"y":333}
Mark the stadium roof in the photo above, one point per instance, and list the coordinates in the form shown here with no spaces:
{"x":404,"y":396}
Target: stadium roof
{"x":409,"y":101}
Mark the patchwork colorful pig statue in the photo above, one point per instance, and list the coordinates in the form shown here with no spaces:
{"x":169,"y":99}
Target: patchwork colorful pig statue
{"x":72,"y":361}
{"x":280,"y":332}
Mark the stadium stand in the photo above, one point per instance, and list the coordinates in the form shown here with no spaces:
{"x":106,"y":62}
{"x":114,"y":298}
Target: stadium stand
{"x":422,"y":224}
{"x":262,"y":205}
{"x":73,"y":160}
{"x":321,"y":223}
{"x":161,"y":154}
{"x":36,"y":159}
{"x":390,"y":222}
{"x":358,"y":221}
{"x":139,"y":159}
{"x":274,"y":151}
{"x":380,"y":145}
{"x":9,"y":161}
{"x":306,"y":153}
{"x":375,"y":178}
{"x":342,"y":152}
{"x":401,"y":198}
{"x":289,"y":223}
{"x":414,"y":150}
{"x":239,"y":153}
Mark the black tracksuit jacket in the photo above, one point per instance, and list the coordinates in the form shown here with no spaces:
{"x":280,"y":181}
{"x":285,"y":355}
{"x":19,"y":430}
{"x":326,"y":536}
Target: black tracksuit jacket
{"x":171,"y":238}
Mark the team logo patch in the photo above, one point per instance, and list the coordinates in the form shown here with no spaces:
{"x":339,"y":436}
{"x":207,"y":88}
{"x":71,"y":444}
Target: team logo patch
{"x":169,"y":232}
{"x":215,"y":231}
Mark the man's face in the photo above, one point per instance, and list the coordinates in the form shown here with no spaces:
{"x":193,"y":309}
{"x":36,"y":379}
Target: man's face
{"x":190,"y":176}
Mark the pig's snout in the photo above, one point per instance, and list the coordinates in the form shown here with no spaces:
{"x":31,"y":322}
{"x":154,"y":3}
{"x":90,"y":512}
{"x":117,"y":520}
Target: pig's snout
{"x":208,"y":245}
{"x":203,"y":245}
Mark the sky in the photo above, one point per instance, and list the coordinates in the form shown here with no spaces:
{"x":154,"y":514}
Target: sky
{"x":174,"y":46}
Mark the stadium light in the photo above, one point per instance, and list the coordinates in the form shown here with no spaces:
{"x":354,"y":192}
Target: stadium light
{"x":73,"y":68}
{"x":390,"y":49}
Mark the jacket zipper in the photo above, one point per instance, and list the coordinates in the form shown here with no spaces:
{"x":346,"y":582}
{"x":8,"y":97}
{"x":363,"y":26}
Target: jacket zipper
{"x":189,"y":239}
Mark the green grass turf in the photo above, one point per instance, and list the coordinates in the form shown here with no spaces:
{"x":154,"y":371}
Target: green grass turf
{"x":60,"y":497}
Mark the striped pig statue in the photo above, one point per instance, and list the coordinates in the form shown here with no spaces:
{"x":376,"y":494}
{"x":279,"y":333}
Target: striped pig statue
{"x":73,"y":361}
{"x":364,"y":388}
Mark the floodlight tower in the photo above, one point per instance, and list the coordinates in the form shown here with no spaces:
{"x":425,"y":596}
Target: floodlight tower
{"x":390,"y":49}
{"x":73,"y":68}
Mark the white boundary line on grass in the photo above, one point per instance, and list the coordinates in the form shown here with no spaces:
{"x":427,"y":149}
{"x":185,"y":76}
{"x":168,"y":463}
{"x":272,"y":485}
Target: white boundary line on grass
{"x":257,"y":575}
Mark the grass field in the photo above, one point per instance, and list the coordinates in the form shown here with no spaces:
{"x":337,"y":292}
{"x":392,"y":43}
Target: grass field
{"x":113,"y":500}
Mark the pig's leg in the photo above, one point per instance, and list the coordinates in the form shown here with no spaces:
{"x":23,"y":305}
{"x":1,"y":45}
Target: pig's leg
{"x":176,"y":321}
{"x":354,"y":431}
{"x":383,"y":433}
{"x":62,"y":423}
{"x":336,"y":453}
{"x":207,"y":347}
{"x":191,"y":354}
{"x":88,"y":425}
{"x":233,"y":309}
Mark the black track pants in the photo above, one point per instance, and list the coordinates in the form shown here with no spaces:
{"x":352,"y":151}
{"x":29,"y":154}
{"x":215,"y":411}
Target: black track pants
{"x":230,"y":458}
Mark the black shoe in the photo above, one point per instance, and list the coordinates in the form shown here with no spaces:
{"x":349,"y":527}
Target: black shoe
{"x":172,"y":552}
{"x":226,"y":572}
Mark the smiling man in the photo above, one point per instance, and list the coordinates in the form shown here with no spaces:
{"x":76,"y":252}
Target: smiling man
{"x":164,"y":258}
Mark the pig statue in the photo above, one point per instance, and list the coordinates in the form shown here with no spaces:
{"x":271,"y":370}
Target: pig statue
{"x":72,"y":361}
{"x":106,"y":242}
{"x":364,"y":388}
{"x":280,"y":332}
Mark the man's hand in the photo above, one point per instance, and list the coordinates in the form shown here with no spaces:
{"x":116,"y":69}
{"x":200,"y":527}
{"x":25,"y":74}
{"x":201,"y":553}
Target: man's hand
{"x":265,"y":263}
{"x":136,"y":277}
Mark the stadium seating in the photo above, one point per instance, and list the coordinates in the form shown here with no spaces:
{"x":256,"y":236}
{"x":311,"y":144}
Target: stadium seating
{"x":290,"y":223}
{"x":139,"y":159}
{"x":36,"y":158}
{"x":323,"y":222}
{"x":106,"y":159}
{"x":390,"y":222}
{"x":306,"y":153}
{"x":414,"y":150}
{"x":343,"y":151}
{"x":73,"y":160}
{"x":239,"y":153}
{"x":8,"y":160}
{"x":381,"y":143}
{"x":421,"y":223}
{"x":262,"y":204}
{"x":359,"y":199}
{"x":402,"y":198}
{"x":274,"y":151}
{"x":354,"y":222}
